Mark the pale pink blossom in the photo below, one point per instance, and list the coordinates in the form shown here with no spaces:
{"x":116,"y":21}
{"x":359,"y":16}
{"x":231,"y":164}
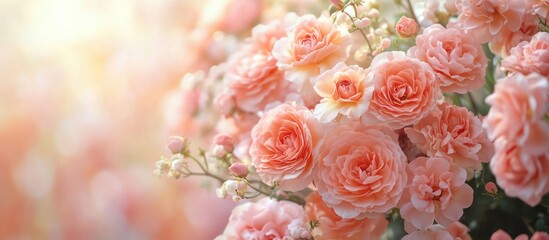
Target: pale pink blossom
{"x":344,"y":91}
{"x":436,"y":192}
{"x":407,"y":27}
{"x":485,"y":19}
{"x":458,"y":61}
{"x":530,"y":57}
{"x":455,"y":133}
{"x":521,"y":175}
{"x":405,"y":90}
{"x":362,"y":170}
{"x":435,"y":232}
{"x":362,"y":23}
{"x":538,"y":7}
{"x":177,"y":144}
{"x":282,"y":146}
{"x":224,"y":140}
{"x":450,"y":6}
{"x":239,"y":169}
{"x":332,"y":226}
{"x":312,"y":44}
{"x":265,"y":219}
{"x":507,"y":39}
{"x":430,"y":12}
{"x":518,"y":106}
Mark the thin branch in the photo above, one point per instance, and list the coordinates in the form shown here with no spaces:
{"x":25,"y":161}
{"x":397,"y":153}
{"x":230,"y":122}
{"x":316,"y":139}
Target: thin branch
{"x":411,"y":9}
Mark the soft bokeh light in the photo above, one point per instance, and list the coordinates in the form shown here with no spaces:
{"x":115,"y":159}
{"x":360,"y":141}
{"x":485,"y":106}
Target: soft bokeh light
{"x":82,"y":87}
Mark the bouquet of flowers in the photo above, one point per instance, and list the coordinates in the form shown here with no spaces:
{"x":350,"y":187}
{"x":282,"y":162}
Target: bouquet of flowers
{"x":376,"y":122}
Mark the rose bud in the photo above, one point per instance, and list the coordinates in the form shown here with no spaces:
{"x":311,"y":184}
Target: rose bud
{"x":177,"y":144}
{"x":407,"y":27}
{"x":239,"y":169}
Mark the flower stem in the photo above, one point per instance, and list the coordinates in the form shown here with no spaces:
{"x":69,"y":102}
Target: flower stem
{"x":411,"y":9}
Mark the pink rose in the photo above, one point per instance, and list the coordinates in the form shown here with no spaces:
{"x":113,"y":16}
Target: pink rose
{"x":363,"y":170}
{"x":502,"y":235}
{"x":530,"y":57}
{"x":407,"y":27}
{"x":485,"y":19}
{"x":405,"y":90}
{"x":312,"y":44}
{"x":521,"y":175}
{"x":282,"y":146}
{"x":540,"y":236}
{"x":267,"y":218}
{"x":254,"y":80}
{"x":435,"y":232}
{"x":437,"y":191}
{"x":507,"y":39}
{"x":518,"y":106}
{"x":459,"y":231}
{"x":332,"y":226}
{"x":458,"y":60}
{"x":344,"y":90}
{"x":455,"y":133}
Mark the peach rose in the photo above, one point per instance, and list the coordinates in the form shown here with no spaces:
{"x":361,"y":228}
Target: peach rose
{"x":458,"y":60}
{"x":518,"y":106}
{"x":530,"y":57}
{"x":521,"y":175}
{"x":538,"y":7}
{"x":507,"y":39}
{"x":405,"y":90}
{"x":363,"y":170}
{"x":407,"y":146}
{"x":264,"y":36}
{"x":455,"y":133}
{"x":332,"y":226}
{"x":282,"y":146}
{"x":407,"y":27}
{"x":344,"y":90}
{"x":435,"y":232}
{"x":255,"y":81}
{"x":437,"y":191}
{"x":266,"y":219}
{"x":312,"y":44}
{"x":485,"y":19}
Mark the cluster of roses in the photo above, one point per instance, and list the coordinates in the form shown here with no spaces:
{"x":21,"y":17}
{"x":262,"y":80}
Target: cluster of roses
{"x":365,"y":136}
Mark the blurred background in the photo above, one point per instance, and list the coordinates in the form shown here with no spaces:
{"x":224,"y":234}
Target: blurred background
{"x":89,"y":92}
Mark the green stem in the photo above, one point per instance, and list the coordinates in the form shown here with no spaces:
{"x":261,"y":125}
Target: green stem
{"x":473,"y":104}
{"x":362,"y":32}
{"x":221,"y":180}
